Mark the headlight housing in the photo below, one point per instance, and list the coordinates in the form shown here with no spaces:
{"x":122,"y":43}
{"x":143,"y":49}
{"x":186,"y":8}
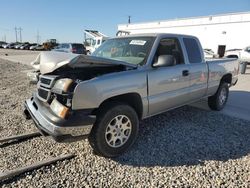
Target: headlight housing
{"x":62,"y":85}
{"x":59,"y":109}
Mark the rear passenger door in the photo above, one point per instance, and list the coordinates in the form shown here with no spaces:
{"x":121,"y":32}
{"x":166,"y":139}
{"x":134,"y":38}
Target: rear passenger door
{"x":198,"y":69}
{"x":168,"y":87}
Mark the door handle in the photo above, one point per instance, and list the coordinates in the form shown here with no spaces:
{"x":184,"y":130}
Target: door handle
{"x":185,"y":73}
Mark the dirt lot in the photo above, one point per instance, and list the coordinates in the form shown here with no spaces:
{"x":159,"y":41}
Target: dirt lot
{"x":186,"y":147}
{"x":11,"y":52}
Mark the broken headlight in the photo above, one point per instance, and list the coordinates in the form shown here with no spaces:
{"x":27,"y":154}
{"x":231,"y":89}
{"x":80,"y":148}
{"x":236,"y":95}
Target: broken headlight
{"x":59,"y":109}
{"x":62,"y":85}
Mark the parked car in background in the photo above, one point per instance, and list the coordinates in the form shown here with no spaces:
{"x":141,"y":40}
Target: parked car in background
{"x":10,"y":45}
{"x":242,"y":54}
{"x":34,"y":44}
{"x":25,"y":46}
{"x":37,"y":47}
{"x":2,"y":43}
{"x":18,"y":46}
{"x":5,"y":45}
{"x":75,"y":48}
{"x":33,"y":47}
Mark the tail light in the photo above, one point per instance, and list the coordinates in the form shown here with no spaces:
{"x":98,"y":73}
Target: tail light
{"x":73,"y":50}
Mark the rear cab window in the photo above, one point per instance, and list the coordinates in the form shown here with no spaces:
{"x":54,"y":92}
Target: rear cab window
{"x":193,"y":50}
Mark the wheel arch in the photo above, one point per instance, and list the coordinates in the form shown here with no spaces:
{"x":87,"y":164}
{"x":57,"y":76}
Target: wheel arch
{"x":227,"y":78}
{"x":132,"y":99}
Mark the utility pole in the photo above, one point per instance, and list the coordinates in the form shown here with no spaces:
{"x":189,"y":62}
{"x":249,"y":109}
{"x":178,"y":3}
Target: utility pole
{"x":20,"y":33}
{"x":4,"y":38}
{"x":38,"y":37}
{"x":129,"y":19}
{"x":16,"y":32}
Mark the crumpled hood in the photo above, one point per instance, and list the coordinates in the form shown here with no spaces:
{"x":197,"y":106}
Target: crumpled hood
{"x":47,"y":62}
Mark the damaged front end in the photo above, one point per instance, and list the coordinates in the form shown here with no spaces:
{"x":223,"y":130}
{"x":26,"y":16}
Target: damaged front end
{"x":51,"y":105}
{"x":50,"y":108}
{"x":47,"y":62}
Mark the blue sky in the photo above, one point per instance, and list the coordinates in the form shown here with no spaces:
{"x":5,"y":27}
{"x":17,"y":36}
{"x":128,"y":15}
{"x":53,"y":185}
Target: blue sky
{"x":65,"y":20}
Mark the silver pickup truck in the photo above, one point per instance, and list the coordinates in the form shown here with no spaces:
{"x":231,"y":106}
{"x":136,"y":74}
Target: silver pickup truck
{"x":127,"y":79}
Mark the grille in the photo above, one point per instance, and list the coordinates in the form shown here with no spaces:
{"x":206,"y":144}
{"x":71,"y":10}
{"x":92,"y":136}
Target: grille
{"x":43,"y":94}
{"x":45,"y":81}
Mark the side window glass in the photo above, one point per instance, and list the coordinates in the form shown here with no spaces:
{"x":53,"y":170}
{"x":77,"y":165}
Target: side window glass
{"x":65,"y":46}
{"x":193,"y":50}
{"x":170,"y":46}
{"x":247,"y":49}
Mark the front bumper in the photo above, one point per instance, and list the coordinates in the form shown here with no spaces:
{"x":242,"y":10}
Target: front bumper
{"x":78,"y":125}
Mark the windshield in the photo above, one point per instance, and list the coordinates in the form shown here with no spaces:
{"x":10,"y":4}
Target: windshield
{"x":247,"y":49}
{"x":133,"y":50}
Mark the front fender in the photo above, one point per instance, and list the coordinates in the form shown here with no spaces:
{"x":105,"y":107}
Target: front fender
{"x":90,"y":94}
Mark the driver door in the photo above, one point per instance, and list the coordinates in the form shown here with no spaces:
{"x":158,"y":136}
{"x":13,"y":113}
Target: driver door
{"x":168,"y":87}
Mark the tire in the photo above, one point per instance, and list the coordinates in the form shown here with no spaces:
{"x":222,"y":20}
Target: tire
{"x":219,"y":100}
{"x":104,"y":137}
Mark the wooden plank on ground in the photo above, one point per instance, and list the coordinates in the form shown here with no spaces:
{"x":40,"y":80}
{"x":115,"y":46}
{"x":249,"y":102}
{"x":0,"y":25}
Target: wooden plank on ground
{"x":21,"y":170}
{"x":19,"y":137}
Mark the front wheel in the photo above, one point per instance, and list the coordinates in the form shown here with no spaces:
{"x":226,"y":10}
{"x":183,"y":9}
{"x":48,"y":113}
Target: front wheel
{"x":115,"y":130}
{"x":219,"y":100}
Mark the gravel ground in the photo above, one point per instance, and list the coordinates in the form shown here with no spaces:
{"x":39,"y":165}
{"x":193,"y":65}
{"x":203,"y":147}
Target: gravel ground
{"x":186,"y":147}
{"x":10,"y":52}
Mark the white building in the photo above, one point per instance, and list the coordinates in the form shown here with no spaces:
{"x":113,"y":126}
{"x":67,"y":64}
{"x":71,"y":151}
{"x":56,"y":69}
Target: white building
{"x":231,"y":30}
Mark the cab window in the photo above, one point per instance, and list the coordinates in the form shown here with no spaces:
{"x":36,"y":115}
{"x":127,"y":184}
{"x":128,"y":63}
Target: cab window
{"x":170,"y":46}
{"x":193,"y":50}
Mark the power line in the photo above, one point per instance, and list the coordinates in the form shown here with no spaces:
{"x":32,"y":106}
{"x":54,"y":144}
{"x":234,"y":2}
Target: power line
{"x":4,"y":38}
{"x":4,"y":29}
{"x":20,"y":33}
{"x":16,"y":32}
{"x":38,"y":37}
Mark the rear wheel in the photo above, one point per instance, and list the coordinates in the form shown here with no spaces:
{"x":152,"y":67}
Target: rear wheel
{"x":218,"y":101}
{"x":115,"y":130}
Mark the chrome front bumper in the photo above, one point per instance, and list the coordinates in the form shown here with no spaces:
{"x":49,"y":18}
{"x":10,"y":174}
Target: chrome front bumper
{"x":79,"y":124}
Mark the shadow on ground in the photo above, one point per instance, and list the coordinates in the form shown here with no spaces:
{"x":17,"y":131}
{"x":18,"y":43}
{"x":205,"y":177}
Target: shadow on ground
{"x":188,"y":136}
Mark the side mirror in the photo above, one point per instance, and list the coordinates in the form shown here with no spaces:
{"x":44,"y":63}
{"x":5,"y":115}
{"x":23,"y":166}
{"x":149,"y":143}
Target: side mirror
{"x":165,"y":61}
